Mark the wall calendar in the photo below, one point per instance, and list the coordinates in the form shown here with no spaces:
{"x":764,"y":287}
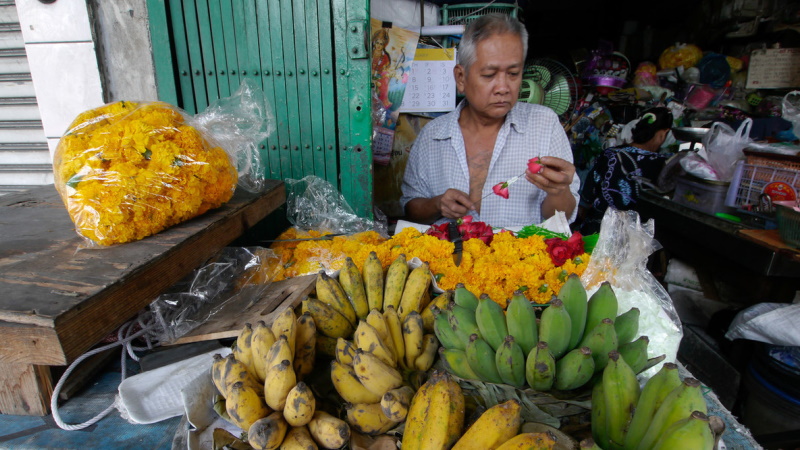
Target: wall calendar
{"x":431,"y":86}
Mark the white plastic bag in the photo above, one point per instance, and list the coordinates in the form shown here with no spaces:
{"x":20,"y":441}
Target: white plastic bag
{"x":724,"y":147}
{"x":791,"y":110}
{"x":773,"y":323}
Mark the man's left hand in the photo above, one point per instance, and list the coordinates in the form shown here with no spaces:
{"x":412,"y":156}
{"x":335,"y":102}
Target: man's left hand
{"x":555,"y":177}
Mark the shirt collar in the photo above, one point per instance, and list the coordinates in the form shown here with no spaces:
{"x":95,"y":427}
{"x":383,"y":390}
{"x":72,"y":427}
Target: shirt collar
{"x":514,"y":119}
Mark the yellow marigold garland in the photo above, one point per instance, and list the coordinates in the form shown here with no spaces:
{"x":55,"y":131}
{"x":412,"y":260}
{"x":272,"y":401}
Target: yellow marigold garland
{"x":127,"y":170}
{"x":508,"y":264}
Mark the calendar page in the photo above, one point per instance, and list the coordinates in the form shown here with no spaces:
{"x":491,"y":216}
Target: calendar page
{"x":431,"y":86}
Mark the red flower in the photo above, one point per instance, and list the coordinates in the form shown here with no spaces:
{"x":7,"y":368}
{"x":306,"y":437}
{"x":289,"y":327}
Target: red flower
{"x":501,"y":189}
{"x":465,"y":219}
{"x":561,"y":250}
{"x":440,"y":231}
{"x":535,"y":165}
{"x":478,"y":230}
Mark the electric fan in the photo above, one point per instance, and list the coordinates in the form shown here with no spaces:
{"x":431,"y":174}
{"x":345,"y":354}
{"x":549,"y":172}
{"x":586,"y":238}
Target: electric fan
{"x":549,"y":83}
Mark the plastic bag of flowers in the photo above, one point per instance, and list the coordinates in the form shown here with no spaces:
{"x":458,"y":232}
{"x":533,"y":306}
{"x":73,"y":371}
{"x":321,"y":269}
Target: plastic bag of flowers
{"x":127,"y":170}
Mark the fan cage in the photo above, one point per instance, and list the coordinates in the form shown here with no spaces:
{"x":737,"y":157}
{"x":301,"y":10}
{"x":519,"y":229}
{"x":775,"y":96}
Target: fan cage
{"x":467,"y":12}
{"x":554,"y":69}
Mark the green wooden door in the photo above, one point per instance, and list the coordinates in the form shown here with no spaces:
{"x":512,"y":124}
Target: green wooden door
{"x":311,"y":59}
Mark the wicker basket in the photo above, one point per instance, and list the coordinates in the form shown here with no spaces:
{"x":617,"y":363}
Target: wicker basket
{"x":789,"y":225}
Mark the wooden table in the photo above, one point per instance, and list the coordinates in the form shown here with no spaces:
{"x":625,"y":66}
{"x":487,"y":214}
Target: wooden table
{"x":57,"y":300}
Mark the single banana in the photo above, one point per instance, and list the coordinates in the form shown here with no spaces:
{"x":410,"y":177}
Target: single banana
{"x":555,"y":328}
{"x":300,"y":405}
{"x":444,"y":331}
{"x":602,"y":305}
{"x":599,"y":416}
{"x":444,"y":419}
{"x":218,"y":373}
{"x":627,"y":325}
{"x":396,"y":402}
{"x":219,"y":407}
{"x":245,"y":350}
{"x":368,"y":339}
{"x":481,"y":359}
{"x":430,"y":348}
{"x":463,"y":322}
{"x":491,"y":321}
{"x":412,"y":337}
{"x":653,"y":394}
{"x":329,"y":431}
{"x":464,"y":297}
{"x":372,"y":274}
{"x":285,"y":324}
{"x":368,"y":418}
{"x":260,"y":342}
{"x":375,"y":318}
{"x":573,"y":294}
{"x":540,"y":367}
{"x":521,"y":321}
{"x":280,"y":380}
{"x":601,"y":339}
{"x":541,"y":440}
{"x":417,"y":415}
{"x":244,"y":405}
{"x":298,"y":438}
{"x":353,"y":285}
{"x":574,"y":369}
{"x":396,"y":276}
{"x":417,"y":284}
{"x":455,"y":361}
{"x":428,"y":317}
{"x":692,"y":432}
{"x":325,"y":345}
{"x":279,"y":351}
{"x":268,"y":432}
{"x":349,"y":387}
{"x":621,"y":391}
{"x":395,"y":327}
{"x":345,"y":350}
{"x":455,"y":426}
{"x":329,"y":321}
{"x":635,"y":353}
{"x":377,"y":376}
{"x":305,"y":349}
{"x":233,"y":371}
{"x":677,"y":405}
{"x":493,"y":428}
{"x":330,"y":292}
{"x":510,"y":363}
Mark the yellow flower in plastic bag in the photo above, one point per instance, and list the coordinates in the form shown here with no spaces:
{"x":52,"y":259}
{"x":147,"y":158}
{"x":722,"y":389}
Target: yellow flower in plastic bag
{"x":128,"y":170}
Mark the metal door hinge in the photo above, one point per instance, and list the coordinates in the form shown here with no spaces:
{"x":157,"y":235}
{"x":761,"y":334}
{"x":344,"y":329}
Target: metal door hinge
{"x":357,"y":39}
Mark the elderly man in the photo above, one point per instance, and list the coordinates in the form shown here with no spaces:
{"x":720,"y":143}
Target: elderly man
{"x":489,"y":138}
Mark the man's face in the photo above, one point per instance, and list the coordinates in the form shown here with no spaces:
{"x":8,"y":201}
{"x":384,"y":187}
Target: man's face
{"x":492,"y":84}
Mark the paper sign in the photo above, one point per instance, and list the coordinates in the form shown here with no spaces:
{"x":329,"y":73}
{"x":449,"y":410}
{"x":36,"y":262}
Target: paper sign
{"x":774,"y":68}
{"x":431,"y":86}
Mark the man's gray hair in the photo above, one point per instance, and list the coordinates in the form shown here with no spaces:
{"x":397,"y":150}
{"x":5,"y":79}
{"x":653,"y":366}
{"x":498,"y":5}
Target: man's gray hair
{"x":484,"y":27}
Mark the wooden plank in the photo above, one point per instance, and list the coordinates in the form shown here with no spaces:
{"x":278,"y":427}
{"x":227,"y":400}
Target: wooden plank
{"x":25,"y":344}
{"x":182,"y":57}
{"x":218,"y":45}
{"x":25,"y":390}
{"x":242,"y":309}
{"x":162,"y":52}
{"x":270,"y":151}
{"x":302,"y":76}
{"x":315,"y":87}
{"x":231,"y":53}
{"x":772,"y":240}
{"x":329,"y":99}
{"x":207,"y":50}
{"x":197,"y":71}
{"x":275,"y":40}
{"x":83,"y":295}
{"x":293,"y":110}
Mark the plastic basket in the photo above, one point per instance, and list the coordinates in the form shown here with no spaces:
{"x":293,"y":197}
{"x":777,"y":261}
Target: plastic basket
{"x":789,"y":225}
{"x":749,"y":181}
{"x":467,"y":12}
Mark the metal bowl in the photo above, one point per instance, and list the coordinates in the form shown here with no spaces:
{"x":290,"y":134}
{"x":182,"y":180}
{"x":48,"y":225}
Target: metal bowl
{"x":689,"y":134}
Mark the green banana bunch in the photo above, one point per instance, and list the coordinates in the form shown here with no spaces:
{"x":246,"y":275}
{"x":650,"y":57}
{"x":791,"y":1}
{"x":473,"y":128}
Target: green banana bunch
{"x":573,"y":294}
{"x":455,"y":361}
{"x":463,"y":322}
{"x":555,"y":327}
{"x":599,"y":416}
{"x":627,"y":325}
{"x":602,"y":305}
{"x":464,"y":297}
{"x":574,"y":369}
{"x":692,"y":432}
{"x":677,"y":405}
{"x":601,"y":339}
{"x":540,"y":367}
{"x":444,"y":331}
{"x":621,"y":393}
{"x":481,"y":359}
{"x":521,"y":322}
{"x":653,"y":394}
{"x":491,"y":321}
{"x":510,"y":363}
{"x":635,"y":353}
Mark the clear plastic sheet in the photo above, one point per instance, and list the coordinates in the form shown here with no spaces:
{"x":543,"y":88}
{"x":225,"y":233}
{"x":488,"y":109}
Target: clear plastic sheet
{"x":239,"y":123}
{"x":233,"y":272}
{"x":620,"y":257}
{"x":314,"y":204}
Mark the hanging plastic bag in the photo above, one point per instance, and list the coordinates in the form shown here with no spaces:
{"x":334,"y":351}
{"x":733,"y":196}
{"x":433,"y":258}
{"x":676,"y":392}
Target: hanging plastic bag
{"x":791,"y":111}
{"x":620,"y":257}
{"x":724,"y":147}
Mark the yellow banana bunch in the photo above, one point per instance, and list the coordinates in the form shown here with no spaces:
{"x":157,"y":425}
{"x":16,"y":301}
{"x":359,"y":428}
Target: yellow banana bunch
{"x":330,"y":292}
{"x":368,"y":418}
{"x":436,"y":416}
{"x":493,"y":428}
{"x":414,"y":291}
{"x":348,"y":385}
{"x":368,"y":339}
{"x":305,"y":347}
{"x":244,"y":405}
{"x":225,"y":371}
{"x":330,"y":322}
{"x":353,"y":285}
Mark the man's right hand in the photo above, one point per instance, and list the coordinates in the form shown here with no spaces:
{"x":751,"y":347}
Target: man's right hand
{"x":454,"y":204}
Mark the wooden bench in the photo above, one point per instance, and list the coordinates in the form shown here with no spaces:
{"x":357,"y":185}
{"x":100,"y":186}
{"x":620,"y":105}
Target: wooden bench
{"x":57,"y":300}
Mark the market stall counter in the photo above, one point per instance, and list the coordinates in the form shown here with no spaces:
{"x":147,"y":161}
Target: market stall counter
{"x":60,"y":299}
{"x":754,"y":260}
